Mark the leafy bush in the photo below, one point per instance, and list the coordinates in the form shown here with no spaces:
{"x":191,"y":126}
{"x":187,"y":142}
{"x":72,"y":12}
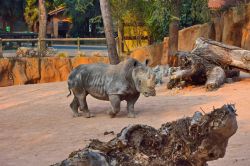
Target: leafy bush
{"x":156,"y":14}
{"x":62,"y":55}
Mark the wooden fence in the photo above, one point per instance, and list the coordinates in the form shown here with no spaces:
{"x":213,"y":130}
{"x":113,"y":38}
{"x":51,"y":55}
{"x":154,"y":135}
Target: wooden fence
{"x":78,"y":40}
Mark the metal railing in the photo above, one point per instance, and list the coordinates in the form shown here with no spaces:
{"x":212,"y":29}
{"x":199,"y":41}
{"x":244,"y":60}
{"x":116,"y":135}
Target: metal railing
{"x":78,"y":40}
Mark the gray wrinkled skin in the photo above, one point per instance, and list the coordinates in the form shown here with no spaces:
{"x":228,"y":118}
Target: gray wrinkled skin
{"x":124,"y":81}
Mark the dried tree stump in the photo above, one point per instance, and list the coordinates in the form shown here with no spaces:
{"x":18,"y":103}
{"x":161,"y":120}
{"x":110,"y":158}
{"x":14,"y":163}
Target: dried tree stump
{"x":190,"y":141}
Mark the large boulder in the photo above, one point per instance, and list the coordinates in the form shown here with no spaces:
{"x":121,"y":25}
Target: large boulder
{"x":245,"y":41}
{"x":88,"y":60}
{"x":235,"y":24}
{"x":49,"y":72}
{"x":218,"y":28}
{"x":188,"y":36}
{"x":32,"y":69}
{"x":6,"y":77}
{"x":153,"y":53}
{"x":164,"y":59}
{"x":19,"y":73}
{"x":63,"y":65}
{"x":232,"y":30}
{"x":55,"y":69}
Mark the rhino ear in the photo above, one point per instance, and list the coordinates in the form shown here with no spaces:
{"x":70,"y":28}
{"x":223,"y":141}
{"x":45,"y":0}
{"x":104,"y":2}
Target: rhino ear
{"x":129,"y":65}
{"x":131,"y":62}
{"x":146,"y":62}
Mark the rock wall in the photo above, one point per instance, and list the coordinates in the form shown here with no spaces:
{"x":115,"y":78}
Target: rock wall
{"x":158,"y":53}
{"x":236,"y":29}
{"x":188,"y":36}
{"x":153,"y":53}
{"x":17,"y":71}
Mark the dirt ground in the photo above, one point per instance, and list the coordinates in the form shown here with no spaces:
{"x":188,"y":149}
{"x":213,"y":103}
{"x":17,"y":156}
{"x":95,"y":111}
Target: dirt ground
{"x":37,"y":127}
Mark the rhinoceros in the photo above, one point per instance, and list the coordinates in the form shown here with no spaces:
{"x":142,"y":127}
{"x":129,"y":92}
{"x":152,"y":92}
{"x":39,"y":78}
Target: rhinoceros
{"x":114,"y":83}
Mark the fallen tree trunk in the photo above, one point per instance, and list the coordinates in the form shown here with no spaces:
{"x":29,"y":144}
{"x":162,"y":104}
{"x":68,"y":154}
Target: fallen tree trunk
{"x":222,"y":55}
{"x":190,"y":141}
{"x":209,"y":63}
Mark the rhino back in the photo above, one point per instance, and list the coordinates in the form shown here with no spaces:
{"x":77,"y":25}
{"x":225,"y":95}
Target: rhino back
{"x":101,"y":80}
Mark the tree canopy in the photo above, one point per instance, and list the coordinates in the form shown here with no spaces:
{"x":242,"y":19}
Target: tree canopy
{"x":11,"y":10}
{"x":84,"y":13}
{"x":154,"y":14}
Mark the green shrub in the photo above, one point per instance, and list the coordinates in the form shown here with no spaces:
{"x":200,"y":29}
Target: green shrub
{"x":62,"y":55}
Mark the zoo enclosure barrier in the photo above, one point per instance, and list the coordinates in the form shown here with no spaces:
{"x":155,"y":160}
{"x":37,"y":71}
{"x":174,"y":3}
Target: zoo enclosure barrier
{"x":51,"y":40}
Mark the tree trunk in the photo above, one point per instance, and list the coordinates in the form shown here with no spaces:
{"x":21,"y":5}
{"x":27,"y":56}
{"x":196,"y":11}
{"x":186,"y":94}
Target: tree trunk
{"x":222,"y":54}
{"x":1,"y":48}
{"x":42,"y":28}
{"x":173,"y":33}
{"x":210,"y":62}
{"x":108,"y":28}
{"x":185,"y":142}
{"x":120,"y":37}
{"x":35,"y":29}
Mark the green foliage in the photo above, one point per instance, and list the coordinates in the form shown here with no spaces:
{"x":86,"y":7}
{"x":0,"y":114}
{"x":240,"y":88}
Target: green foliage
{"x":156,"y":14}
{"x":31,"y":10}
{"x":77,"y":10}
{"x":200,"y":12}
{"x":82,"y":13}
{"x":62,"y":55}
{"x":12,"y":10}
{"x":158,"y":19}
{"x":192,"y":12}
{"x":31,"y":13}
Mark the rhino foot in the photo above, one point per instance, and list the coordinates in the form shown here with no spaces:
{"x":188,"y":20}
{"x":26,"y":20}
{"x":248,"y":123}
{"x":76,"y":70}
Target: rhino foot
{"x":131,"y":115}
{"x":89,"y":115}
{"x":112,"y":115}
{"x":76,"y":115}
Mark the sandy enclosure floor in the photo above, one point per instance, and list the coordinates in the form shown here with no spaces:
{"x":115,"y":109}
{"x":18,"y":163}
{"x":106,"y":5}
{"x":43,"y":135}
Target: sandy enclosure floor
{"x":37,"y":128}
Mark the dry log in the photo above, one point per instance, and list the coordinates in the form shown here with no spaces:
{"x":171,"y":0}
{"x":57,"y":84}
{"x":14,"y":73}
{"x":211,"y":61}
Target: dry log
{"x":222,"y":54}
{"x":209,"y":63}
{"x":190,"y":141}
{"x":216,"y":77}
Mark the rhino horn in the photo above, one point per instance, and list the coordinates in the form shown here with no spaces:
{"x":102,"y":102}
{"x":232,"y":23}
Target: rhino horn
{"x":149,"y":74}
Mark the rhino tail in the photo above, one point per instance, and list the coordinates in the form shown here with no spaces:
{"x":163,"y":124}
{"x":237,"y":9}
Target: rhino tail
{"x":69,"y":92}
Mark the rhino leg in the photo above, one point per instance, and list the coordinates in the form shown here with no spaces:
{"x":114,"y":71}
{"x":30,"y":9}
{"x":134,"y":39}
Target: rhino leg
{"x":130,"y":105}
{"x":74,"y":106}
{"x":115,"y":103}
{"x":83,"y":106}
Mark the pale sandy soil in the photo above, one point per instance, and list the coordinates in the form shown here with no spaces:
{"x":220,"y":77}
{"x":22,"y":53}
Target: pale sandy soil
{"x":37,"y":128}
